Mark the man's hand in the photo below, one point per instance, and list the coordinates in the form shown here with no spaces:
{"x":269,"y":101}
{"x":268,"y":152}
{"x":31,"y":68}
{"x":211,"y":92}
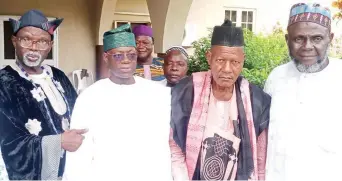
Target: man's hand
{"x":72,"y":139}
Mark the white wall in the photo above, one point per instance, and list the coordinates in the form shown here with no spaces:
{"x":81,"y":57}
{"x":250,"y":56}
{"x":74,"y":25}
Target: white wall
{"x":205,"y":14}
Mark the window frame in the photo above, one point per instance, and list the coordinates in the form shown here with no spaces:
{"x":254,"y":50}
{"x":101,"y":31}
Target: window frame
{"x":239,"y":15}
{"x":4,"y":62}
{"x":129,"y":22}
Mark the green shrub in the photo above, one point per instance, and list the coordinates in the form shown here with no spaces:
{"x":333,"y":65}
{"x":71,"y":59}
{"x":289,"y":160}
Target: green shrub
{"x":263,"y":54}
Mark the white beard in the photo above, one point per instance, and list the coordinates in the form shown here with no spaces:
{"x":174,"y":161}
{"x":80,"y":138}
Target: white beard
{"x":32,"y":64}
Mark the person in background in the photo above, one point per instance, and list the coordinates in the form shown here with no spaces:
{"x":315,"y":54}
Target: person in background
{"x":175,"y":65}
{"x":36,"y":104}
{"x":305,"y":117}
{"x":148,"y":67}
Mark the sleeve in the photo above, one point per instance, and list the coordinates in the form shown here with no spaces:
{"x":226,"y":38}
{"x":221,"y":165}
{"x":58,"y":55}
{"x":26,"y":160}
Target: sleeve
{"x":21,"y":151}
{"x":79,"y":163}
{"x":51,"y":156}
{"x":178,"y":164}
{"x":261,"y":154}
{"x":267,"y":86}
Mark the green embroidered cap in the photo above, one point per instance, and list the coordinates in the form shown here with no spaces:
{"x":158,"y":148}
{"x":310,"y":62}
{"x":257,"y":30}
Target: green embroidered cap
{"x":119,"y":37}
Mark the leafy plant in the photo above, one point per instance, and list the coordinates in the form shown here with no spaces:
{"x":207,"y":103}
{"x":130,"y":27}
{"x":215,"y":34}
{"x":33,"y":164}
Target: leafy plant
{"x":338,"y":4}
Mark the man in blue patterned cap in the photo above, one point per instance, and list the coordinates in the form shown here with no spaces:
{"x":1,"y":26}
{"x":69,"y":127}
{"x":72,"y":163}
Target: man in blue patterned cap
{"x":305,"y":119}
{"x":36,"y":102}
{"x":126,"y":139}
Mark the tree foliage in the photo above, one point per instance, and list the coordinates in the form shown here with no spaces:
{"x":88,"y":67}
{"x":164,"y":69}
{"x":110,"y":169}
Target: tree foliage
{"x":263,"y":54}
{"x":338,"y":4}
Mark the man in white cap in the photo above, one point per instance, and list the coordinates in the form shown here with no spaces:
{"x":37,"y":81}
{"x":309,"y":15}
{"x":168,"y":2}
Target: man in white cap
{"x":175,"y":65}
{"x":305,"y":120}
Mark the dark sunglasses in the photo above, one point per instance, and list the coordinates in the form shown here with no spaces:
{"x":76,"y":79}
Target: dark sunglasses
{"x":121,"y":56}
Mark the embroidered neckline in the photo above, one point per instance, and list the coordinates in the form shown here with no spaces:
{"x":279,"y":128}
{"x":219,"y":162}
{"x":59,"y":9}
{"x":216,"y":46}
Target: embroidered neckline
{"x":42,"y":94}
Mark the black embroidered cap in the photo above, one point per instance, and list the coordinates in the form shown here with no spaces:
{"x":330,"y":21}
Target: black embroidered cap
{"x":227,"y":35}
{"x":36,"y":19}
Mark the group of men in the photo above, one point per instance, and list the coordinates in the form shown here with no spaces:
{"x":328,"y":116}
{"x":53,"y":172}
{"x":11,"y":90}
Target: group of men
{"x":221,"y":126}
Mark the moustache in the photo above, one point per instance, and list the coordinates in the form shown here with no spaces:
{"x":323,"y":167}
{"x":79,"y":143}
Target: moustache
{"x":32,"y":54}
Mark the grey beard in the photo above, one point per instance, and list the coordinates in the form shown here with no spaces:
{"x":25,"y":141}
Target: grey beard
{"x":27,"y":63}
{"x":316,"y":67}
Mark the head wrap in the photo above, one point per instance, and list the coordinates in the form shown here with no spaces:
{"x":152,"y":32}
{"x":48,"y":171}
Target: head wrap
{"x":227,"y":35}
{"x":143,"y":30}
{"x":119,"y":37}
{"x":180,"y":49}
{"x":36,"y":19}
{"x":315,"y":13}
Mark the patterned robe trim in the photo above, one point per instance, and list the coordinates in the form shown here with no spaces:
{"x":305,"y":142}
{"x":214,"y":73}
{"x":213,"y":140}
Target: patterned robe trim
{"x":51,"y":155}
{"x":199,"y":113}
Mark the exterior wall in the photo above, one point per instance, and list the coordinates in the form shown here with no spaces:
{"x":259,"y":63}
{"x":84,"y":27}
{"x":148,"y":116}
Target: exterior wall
{"x":77,"y":33}
{"x":132,"y":11}
{"x":204,"y":15}
{"x":132,"y":6}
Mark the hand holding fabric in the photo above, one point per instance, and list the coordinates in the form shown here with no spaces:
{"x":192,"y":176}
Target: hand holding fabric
{"x":72,"y":139}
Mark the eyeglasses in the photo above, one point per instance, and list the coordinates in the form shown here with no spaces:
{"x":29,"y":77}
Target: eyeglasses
{"x":121,"y":56}
{"x":28,"y":43}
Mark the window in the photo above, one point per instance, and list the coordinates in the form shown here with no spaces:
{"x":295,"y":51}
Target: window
{"x":133,"y":24}
{"x":244,"y":18}
{"x":7,"y":51}
{"x":231,"y":15}
{"x":247,"y":20}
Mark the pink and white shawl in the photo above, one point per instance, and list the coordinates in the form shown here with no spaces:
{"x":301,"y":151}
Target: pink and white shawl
{"x":187,"y":163}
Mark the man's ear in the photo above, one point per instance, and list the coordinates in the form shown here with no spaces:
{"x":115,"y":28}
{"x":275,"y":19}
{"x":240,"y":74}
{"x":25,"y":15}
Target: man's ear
{"x":208,"y":56}
{"x":13,"y":38}
{"x":331,"y":37}
{"x":287,"y":39}
{"x":105,"y":57}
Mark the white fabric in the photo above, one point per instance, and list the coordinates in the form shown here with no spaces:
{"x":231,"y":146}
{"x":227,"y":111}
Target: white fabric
{"x":51,"y":92}
{"x":128,"y":132}
{"x":305,"y":123}
{"x":163,"y":82}
{"x":56,"y":100}
{"x":217,"y":148}
{"x":3,"y":171}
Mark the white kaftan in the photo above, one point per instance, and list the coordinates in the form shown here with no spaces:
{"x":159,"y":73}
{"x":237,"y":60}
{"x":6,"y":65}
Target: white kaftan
{"x":128,"y":132}
{"x":305,"y":128}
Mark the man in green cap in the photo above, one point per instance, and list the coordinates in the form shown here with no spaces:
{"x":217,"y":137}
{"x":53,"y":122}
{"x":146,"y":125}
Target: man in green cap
{"x":126,"y":138}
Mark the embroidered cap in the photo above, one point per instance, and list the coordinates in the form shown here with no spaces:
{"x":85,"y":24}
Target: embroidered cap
{"x":119,"y":37}
{"x":315,"y":13}
{"x":227,"y":35}
{"x":36,"y":19}
{"x":178,"y":48}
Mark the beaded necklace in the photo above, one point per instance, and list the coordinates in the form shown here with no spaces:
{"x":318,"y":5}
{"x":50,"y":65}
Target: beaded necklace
{"x":59,"y":88}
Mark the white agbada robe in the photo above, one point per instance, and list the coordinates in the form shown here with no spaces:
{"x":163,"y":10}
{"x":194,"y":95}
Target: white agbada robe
{"x":305,"y":128}
{"x":128,"y":132}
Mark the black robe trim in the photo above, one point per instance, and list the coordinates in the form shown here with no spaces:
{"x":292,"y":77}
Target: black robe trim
{"x":22,"y":151}
{"x":182,"y":102}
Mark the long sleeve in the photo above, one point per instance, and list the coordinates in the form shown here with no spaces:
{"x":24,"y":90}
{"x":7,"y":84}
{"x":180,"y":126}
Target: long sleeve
{"x":178,"y":164}
{"x":79,"y":163}
{"x":261,"y":154}
{"x":24,"y":153}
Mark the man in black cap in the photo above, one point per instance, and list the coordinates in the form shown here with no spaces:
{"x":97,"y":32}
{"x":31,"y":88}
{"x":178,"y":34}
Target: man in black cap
{"x":36,"y":102}
{"x":219,"y":120}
